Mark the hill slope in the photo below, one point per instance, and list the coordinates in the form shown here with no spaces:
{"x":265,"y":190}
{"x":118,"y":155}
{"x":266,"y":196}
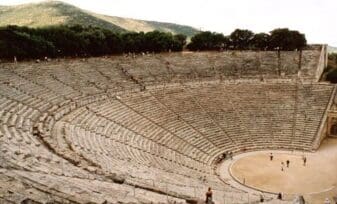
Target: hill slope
{"x":332,"y":49}
{"x":56,"y":13}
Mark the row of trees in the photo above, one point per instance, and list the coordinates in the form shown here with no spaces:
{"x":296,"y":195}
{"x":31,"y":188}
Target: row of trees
{"x":60,"y":41}
{"x":331,"y":71}
{"x":278,"y":39}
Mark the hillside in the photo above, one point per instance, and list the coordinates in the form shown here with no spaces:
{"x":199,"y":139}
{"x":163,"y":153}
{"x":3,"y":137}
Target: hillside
{"x":146,"y":26}
{"x":332,"y":49}
{"x":56,"y":13}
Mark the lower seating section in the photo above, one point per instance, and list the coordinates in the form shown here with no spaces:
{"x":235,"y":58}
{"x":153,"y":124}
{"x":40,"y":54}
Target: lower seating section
{"x":148,"y":129}
{"x":23,"y":186}
{"x":174,"y":132}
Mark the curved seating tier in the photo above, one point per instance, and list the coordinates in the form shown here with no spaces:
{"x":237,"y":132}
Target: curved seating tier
{"x":148,"y":129}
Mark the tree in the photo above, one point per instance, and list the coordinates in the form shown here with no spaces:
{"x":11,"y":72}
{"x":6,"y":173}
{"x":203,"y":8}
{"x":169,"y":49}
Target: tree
{"x":333,"y":58}
{"x":95,"y":42}
{"x":260,"y":41}
{"x":76,"y":40}
{"x":285,"y":39}
{"x":200,"y":41}
{"x":332,"y":76}
{"x":218,"y":41}
{"x":114,"y":42}
{"x":133,"y":42}
{"x":207,"y":41}
{"x":16,"y":41}
{"x":157,"y":41}
{"x":241,"y":39}
{"x":68,"y":42}
{"x":179,"y":41}
{"x":298,"y":40}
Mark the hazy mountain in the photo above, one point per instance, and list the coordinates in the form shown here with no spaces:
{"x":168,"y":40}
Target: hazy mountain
{"x":57,"y":12}
{"x":332,"y":49}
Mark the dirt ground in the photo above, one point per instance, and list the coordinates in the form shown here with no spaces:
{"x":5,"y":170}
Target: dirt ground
{"x":316,"y":180}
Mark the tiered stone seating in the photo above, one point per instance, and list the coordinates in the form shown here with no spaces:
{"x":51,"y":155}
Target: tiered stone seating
{"x":140,"y":128}
{"x":127,"y":136}
{"x":149,"y":70}
{"x":150,"y":106}
{"x":242,"y":117}
{"x":309,"y":62}
{"x":310,"y":112}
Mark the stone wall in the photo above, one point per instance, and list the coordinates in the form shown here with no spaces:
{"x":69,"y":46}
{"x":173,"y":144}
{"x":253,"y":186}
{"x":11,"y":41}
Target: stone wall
{"x":322,"y":63}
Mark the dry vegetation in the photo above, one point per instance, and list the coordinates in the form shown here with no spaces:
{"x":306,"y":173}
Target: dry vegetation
{"x":56,"y":13}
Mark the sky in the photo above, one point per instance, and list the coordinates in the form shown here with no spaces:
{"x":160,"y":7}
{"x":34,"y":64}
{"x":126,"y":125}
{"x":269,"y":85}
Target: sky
{"x":315,"y":18}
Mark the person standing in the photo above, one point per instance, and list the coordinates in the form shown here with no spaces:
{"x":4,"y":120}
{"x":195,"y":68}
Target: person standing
{"x":304,"y":160}
{"x":271,"y":156}
{"x":209,"y":196}
{"x":261,"y":198}
{"x":288,"y":162}
{"x":327,"y":201}
{"x":224,"y":155}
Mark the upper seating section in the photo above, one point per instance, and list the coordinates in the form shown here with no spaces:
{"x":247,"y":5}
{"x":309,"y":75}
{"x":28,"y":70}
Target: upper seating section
{"x":224,"y":65}
{"x":122,"y":72}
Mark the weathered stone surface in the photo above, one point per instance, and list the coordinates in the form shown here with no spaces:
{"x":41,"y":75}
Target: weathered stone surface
{"x":146,"y":129}
{"x":29,"y":201}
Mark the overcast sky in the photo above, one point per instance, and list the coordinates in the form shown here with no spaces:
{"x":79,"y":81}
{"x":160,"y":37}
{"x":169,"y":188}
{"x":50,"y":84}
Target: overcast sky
{"x":315,"y":18}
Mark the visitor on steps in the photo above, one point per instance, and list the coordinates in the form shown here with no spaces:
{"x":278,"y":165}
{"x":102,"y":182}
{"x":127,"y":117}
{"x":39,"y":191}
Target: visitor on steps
{"x":327,"y":201}
{"x":261,"y":198}
{"x":209,"y":195}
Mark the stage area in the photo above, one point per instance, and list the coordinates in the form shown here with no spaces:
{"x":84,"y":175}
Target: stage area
{"x":317,"y":178}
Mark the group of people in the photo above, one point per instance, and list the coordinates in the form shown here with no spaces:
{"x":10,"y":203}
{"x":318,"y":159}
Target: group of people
{"x":304,"y":158}
{"x":282,"y":165}
{"x":227,"y":154}
{"x":224,"y":156}
{"x":209,"y":193}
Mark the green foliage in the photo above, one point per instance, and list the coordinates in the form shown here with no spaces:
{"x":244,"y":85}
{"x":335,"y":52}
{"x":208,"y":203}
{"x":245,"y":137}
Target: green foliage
{"x":260,"y":41}
{"x":14,"y":42}
{"x":240,"y":39}
{"x":179,"y":41}
{"x":76,"y":40}
{"x":58,"y":41}
{"x":131,"y":42}
{"x":285,"y":39}
{"x":333,"y":58}
{"x":158,"y":41}
{"x":208,"y":41}
{"x":331,"y":70}
{"x":332,"y":76}
{"x":52,"y":13}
